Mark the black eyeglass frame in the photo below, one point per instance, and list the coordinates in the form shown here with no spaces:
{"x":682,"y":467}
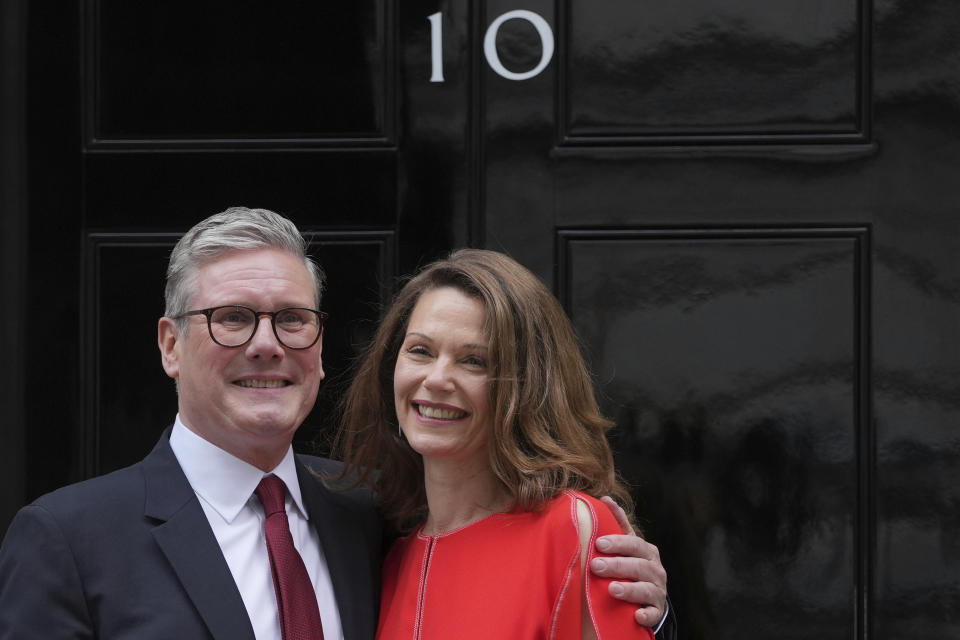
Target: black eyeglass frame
{"x":208,"y":313}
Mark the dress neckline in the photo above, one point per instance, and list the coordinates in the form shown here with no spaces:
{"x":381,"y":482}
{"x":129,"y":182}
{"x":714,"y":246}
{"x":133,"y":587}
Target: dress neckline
{"x":423,"y":536}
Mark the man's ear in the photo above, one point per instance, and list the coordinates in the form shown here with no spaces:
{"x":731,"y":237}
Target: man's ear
{"x":320,"y":355}
{"x":170,"y":341}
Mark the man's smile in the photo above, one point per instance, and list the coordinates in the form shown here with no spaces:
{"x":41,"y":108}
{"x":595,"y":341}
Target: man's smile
{"x":262,"y":384}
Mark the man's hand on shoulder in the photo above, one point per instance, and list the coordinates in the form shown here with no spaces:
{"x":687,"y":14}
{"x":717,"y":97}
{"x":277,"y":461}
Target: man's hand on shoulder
{"x":639,"y":576}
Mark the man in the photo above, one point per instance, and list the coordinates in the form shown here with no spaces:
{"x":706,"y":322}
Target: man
{"x":185,"y":543}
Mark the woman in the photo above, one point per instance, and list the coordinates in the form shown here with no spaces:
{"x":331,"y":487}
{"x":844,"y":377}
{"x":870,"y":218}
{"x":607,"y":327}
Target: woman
{"x":474,"y":402}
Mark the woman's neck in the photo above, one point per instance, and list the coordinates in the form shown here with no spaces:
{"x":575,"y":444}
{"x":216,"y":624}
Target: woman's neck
{"x":459,"y":494}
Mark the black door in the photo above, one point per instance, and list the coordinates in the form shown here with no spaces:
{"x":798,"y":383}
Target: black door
{"x":748,"y":208}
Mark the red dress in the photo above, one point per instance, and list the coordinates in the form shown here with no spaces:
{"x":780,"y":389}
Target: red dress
{"x":512,"y":576}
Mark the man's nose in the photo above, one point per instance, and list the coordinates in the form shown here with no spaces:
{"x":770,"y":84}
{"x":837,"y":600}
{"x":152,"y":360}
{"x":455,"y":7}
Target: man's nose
{"x":264,"y":342}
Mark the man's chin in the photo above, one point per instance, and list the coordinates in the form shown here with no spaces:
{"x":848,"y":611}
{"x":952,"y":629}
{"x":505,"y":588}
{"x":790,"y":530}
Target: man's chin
{"x":271,"y":427}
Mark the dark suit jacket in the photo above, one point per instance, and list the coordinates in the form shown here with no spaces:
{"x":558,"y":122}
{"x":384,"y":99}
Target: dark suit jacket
{"x":131,"y":555}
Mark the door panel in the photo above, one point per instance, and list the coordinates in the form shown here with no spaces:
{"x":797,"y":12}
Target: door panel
{"x":655,"y":73}
{"x":731,"y":361}
{"x":197,"y":73}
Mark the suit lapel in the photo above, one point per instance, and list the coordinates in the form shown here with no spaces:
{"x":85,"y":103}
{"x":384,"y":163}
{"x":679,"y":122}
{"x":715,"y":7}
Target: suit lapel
{"x":345,"y":549}
{"x":185,"y":537}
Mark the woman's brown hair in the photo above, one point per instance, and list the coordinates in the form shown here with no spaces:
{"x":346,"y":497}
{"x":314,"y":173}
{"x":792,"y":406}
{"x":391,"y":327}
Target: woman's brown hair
{"x":548,"y":434}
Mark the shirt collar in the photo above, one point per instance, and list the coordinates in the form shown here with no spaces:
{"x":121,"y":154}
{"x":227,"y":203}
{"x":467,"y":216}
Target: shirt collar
{"x":224,"y":481}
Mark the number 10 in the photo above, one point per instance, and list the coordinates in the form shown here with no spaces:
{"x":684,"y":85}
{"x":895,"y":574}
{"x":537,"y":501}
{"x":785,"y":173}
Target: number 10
{"x":490,"y":45}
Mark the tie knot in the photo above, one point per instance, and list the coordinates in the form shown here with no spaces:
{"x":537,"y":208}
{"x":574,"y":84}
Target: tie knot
{"x":272,"y":492}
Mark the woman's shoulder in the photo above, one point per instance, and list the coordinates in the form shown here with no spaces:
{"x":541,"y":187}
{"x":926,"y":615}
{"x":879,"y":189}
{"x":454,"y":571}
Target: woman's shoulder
{"x":575,"y":507}
{"x":568,"y":498}
{"x":572,"y":495}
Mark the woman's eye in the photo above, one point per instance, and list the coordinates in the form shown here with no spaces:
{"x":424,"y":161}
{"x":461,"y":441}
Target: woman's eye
{"x":475,"y":361}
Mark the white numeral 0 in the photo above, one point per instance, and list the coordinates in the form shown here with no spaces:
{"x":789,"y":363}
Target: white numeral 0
{"x":490,"y":45}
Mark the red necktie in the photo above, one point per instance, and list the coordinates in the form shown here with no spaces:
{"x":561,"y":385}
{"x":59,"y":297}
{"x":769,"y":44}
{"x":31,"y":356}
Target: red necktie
{"x":296,"y":599}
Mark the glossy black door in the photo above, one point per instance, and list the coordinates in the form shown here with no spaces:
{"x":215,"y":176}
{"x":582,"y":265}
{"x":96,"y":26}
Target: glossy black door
{"x":750,"y":211}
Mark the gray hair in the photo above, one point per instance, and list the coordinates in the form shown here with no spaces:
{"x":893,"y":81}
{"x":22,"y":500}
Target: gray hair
{"x":237,"y":228}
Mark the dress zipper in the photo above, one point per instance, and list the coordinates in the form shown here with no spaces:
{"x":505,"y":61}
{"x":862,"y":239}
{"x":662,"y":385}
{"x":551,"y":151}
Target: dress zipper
{"x":418,"y":628}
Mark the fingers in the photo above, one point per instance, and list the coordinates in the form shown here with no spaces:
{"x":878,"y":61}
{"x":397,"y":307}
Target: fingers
{"x":632,"y":559}
{"x":636,"y":570}
{"x":648,"y":617}
{"x":651,"y":599}
{"x":629,"y":546}
{"x":619,"y":514}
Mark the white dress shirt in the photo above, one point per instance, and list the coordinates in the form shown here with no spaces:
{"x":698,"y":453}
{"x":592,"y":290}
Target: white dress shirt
{"x":224,"y":485}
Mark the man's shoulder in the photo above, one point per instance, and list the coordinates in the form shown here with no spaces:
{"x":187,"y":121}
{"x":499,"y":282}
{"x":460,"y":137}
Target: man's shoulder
{"x":80,"y":513}
{"x":321,"y":466}
{"x":107,"y":491}
{"x":328,"y":474}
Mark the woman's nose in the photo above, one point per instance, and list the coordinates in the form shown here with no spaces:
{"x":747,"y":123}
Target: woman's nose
{"x":438,"y":377}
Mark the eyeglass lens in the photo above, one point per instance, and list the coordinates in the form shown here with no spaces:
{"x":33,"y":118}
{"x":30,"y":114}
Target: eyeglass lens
{"x":234,"y":326}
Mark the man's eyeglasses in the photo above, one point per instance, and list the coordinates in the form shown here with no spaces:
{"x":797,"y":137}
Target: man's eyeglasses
{"x":234,"y":326}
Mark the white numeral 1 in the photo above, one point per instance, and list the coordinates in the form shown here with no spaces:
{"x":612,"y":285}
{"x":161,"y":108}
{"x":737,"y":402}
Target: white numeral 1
{"x":436,"y":47}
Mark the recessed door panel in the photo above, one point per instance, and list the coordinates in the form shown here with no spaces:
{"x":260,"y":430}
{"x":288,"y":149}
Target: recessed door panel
{"x":731,"y":362}
{"x":186,"y":73}
{"x":652,"y":72}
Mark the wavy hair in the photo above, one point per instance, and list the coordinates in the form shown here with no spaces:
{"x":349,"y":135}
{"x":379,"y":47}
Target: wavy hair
{"x":548,"y":433}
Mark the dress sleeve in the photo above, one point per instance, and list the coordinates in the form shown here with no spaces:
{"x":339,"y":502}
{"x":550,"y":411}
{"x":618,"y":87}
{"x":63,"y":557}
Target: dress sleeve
{"x":612,"y":619}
